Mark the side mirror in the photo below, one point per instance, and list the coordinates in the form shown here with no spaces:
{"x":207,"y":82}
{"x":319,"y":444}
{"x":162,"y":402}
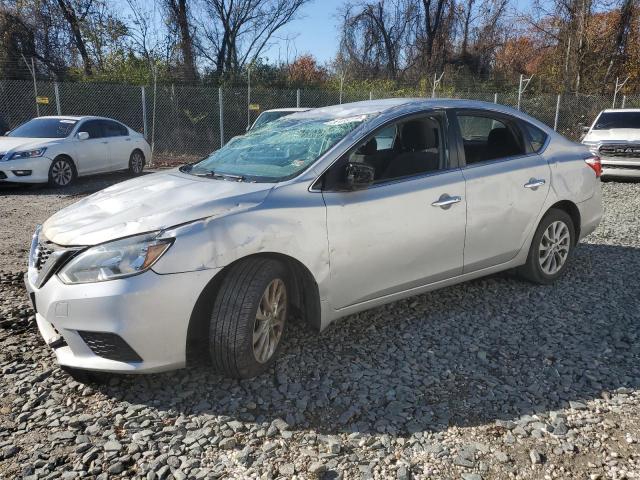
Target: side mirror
{"x":82,"y":135}
{"x":359,"y":175}
{"x":585,"y":129}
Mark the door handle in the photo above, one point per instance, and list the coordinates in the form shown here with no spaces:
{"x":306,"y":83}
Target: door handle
{"x":127,"y":139}
{"x":105,"y":142}
{"x":534,"y":183}
{"x":445,"y":201}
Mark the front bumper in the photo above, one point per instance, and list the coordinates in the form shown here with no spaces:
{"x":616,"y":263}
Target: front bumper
{"x":38,"y":166}
{"x":150,"y":313}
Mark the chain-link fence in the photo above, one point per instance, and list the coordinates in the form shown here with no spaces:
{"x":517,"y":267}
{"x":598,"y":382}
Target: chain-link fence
{"x":195,"y":120}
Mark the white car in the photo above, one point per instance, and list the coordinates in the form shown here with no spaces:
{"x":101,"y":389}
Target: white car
{"x":615,"y":138}
{"x":56,"y":150}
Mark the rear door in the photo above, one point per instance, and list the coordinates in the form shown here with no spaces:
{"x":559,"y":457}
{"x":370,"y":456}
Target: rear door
{"x":92,"y":154}
{"x":120,"y":144}
{"x":507,"y":183}
{"x":407,"y":229}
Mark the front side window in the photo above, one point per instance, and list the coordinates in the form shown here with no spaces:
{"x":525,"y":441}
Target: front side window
{"x":486,"y":138}
{"x":44,"y":128}
{"x":280,"y":149}
{"x":403,"y":149}
{"x":93,"y":128}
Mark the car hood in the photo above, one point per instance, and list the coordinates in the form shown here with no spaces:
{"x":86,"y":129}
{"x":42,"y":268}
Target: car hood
{"x":22,"y":143}
{"x":152,"y":202}
{"x":616,"y":134}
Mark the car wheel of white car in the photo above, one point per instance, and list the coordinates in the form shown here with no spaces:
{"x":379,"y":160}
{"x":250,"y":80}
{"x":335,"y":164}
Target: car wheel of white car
{"x":136,"y":162}
{"x":249,"y":317}
{"x":61,"y":172}
{"x":551,"y":248}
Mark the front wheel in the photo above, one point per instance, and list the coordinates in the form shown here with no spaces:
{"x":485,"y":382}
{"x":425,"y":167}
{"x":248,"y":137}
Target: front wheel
{"x":249,"y":317}
{"x":551,"y":248}
{"x":136,"y":162}
{"x":61,"y":172}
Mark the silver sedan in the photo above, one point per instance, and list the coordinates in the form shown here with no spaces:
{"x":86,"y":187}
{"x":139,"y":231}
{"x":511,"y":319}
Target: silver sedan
{"x":319,"y":214}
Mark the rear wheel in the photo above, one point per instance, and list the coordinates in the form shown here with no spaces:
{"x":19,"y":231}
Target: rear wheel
{"x":62,"y":172}
{"x":136,"y":162}
{"x":249,"y":317}
{"x":551,"y":248}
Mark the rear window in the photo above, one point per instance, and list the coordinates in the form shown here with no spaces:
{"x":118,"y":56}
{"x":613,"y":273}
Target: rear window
{"x":611,"y":120}
{"x":44,"y":128}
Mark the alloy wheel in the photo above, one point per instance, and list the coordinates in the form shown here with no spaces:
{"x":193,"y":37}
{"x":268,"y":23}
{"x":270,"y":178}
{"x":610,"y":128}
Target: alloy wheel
{"x":137,"y":162}
{"x":554,"y":247}
{"x":270,"y":320}
{"x":61,"y":173}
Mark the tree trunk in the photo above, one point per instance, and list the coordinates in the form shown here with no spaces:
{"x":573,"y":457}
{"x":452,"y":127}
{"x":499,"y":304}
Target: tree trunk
{"x":72,"y":19}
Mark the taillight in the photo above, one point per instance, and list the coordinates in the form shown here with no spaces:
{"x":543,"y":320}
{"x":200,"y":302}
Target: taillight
{"x":594,"y":163}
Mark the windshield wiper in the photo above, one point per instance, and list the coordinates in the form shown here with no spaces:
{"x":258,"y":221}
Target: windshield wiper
{"x":213,"y":174}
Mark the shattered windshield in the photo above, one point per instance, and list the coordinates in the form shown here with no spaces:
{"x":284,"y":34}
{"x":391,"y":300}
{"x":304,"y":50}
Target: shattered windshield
{"x":279,"y":150}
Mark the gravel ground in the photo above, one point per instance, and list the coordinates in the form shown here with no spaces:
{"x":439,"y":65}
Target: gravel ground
{"x":494,"y":378}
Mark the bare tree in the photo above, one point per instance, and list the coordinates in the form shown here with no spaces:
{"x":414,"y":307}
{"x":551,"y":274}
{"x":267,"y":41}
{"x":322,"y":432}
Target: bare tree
{"x":179,"y":16}
{"x":74,"y":13}
{"x":236,"y":32}
{"x":377,"y":37}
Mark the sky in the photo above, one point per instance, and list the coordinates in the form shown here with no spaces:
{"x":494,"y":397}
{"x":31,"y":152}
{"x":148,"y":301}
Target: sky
{"x":314,"y":32}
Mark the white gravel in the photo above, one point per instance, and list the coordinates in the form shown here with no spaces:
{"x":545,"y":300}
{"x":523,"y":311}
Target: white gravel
{"x":494,"y":378}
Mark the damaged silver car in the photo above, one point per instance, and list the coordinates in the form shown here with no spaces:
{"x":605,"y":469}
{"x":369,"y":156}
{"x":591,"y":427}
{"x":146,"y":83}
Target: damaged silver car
{"x":319,"y":214}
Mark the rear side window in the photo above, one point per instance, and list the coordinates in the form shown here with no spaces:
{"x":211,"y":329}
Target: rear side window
{"x":487,"y":138}
{"x":114,"y":129}
{"x":536,"y":136}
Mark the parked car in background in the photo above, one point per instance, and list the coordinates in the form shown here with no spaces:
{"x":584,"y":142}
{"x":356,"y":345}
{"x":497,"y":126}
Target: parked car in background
{"x":320,"y":214}
{"x":56,"y":150}
{"x":273,"y":114}
{"x":615,"y":137}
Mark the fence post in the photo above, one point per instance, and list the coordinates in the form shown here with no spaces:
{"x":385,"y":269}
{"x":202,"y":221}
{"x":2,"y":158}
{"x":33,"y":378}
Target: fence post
{"x":624,"y":100}
{"x":221,"y":108}
{"x":495,"y":97}
{"x":370,"y":95}
{"x":56,"y":91}
{"x":298,"y":98}
{"x":144,"y":111}
{"x":555,"y":120}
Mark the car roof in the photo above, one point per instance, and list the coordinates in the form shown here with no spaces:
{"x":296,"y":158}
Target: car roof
{"x":79,"y":117}
{"x":623,"y":110}
{"x":292,"y":109}
{"x":400,"y":106}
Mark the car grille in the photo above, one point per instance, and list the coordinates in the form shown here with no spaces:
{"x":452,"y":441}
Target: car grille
{"x":48,"y":258}
{"x":43,"y":252}
{"x":620,"y":150}
{"x":109,"y":346}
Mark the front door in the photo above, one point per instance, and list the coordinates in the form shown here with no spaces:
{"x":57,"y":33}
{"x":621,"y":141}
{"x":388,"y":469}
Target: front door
{"x":92,"y":154}
{"x":507,"y":184}
{"x":405,"y":230}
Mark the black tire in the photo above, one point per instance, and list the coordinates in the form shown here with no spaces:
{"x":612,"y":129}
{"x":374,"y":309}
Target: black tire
{"x":233,"y":317}
{"x":136,"y":162}
{"x":533,"y":270}
{"x":62,"y":172}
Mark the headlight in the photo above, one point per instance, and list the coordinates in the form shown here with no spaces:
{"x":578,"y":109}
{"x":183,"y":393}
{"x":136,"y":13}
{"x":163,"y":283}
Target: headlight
{"x":27,"y":154}
{"x":122,"y":258}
